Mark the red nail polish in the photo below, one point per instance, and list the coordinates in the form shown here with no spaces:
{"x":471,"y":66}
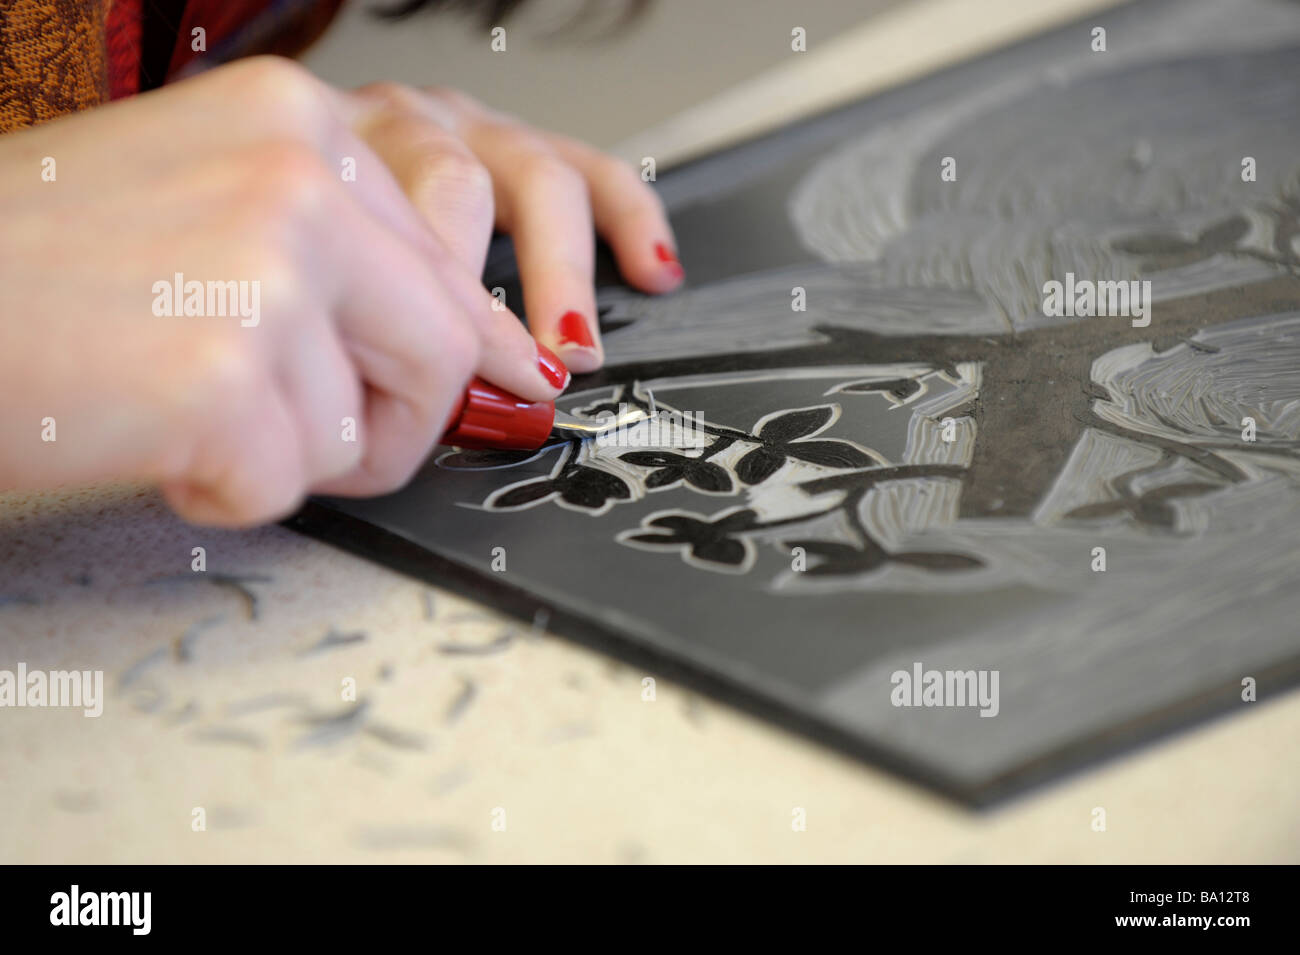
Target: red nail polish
{"x":669,"y":258}
{"x":552,"y":369}
{"x":574,"y":330}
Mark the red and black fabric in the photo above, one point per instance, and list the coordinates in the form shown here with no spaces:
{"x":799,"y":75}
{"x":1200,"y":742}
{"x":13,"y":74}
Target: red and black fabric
{"x":61,"y":56}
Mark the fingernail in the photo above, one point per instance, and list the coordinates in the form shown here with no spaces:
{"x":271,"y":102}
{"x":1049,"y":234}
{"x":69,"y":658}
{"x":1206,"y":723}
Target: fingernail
{"x":552,"y":369}
{"x":669,"y":258}
{"x":574,"y":330}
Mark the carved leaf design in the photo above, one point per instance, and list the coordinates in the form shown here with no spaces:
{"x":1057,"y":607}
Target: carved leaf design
{"x":831,"y":454}
{"x":759,"y":465}
{"x":525,"y":493}
{"x":796,"y":424}
{"x":708,"y":476}
{"x":587,"y":487}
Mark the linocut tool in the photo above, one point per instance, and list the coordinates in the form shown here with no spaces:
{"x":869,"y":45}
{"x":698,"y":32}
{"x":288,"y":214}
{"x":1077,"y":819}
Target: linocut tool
{"x":489,"y":417}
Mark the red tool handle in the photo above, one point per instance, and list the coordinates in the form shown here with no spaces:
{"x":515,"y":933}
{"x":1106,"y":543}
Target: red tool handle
{"x":488,"y":417}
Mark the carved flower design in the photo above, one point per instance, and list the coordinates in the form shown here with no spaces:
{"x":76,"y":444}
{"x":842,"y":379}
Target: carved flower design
{"x":576,"y":485}
{"x":590,"y":479}
{"x":1152,"y":508}
{"x":672,"y":468}
{"x":785,"y":435}
{"x":714,"y":544}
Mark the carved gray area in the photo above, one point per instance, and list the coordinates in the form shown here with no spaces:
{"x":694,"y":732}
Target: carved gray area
{"x":922,"y":466}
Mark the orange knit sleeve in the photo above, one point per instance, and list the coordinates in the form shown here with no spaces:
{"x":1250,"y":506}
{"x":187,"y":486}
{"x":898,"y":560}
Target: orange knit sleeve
{"x":52,"y":59}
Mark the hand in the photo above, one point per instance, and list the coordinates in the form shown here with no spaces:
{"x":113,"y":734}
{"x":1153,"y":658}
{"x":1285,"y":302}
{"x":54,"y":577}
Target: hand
{"x":366,"y":310}
{"x":548,"y":192}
